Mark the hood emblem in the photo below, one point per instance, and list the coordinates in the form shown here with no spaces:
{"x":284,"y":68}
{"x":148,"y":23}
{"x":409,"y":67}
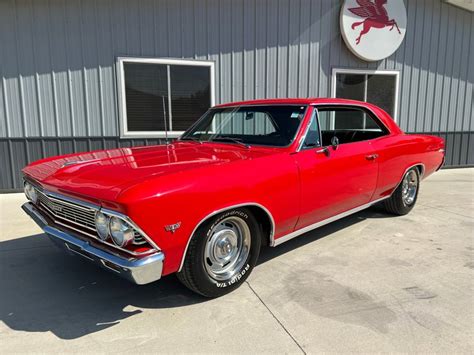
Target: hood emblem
{"x":172,"y":227}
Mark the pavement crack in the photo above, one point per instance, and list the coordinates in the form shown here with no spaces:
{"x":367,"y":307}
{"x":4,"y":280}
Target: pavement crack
{"x":447,"y":211}
{"x":275,"y":317}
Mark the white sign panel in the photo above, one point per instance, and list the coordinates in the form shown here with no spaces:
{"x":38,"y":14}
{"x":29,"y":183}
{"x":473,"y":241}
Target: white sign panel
{"x":373,"y":29}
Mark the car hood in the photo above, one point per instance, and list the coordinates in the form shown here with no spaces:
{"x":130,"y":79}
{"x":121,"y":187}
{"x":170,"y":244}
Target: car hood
{"x":103,"y":175}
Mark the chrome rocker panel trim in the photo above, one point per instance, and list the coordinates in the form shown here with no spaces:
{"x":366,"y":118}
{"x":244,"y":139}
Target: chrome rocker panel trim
{"x":139,"y":271}
{"x":303,"y":230}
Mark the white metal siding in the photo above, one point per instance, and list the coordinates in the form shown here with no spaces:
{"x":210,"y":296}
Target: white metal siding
{"x":57,"y":57}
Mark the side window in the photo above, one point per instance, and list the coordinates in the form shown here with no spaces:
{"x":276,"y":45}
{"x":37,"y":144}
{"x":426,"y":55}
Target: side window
{"x":312,"y":138}
{"x":348,"y":124}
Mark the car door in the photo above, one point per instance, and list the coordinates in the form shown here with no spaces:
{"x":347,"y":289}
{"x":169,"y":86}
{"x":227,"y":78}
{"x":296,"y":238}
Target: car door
{"x":338,"y":167}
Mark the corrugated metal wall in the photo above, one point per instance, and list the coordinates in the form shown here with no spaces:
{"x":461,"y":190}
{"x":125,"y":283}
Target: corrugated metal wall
{"x":57,"y":62}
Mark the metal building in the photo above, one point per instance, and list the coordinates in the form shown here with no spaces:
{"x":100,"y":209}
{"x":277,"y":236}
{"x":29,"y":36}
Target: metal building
{"x":93,"y":74}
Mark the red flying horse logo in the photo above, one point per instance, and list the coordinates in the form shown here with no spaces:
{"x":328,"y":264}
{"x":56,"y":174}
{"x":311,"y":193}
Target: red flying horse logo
{"x":375,"y":15}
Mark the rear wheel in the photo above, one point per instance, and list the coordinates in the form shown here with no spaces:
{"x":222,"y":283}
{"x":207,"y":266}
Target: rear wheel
{"x":404,"y":197}
{"x":222,"y":253}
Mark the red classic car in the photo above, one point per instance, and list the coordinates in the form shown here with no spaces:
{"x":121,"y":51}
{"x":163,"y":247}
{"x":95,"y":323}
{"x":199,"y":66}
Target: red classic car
{"x":245,"y":175}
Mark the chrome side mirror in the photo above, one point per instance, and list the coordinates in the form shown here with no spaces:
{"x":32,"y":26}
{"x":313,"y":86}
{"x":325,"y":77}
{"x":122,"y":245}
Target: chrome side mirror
{"x":334,"y":142}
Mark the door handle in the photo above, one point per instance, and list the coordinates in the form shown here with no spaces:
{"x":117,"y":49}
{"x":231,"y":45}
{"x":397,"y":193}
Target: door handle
{"x":371,"y":156}
{"x":324,"y":151}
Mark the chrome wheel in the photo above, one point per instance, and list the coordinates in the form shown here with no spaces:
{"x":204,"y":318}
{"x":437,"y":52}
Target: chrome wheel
{"x":227,"y":248}
{"x":409,"y":187}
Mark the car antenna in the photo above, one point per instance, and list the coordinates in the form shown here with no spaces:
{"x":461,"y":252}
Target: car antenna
{"x":164,"y":119}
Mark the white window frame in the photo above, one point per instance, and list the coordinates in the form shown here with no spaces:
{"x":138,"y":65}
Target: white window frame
{"x":395,"y":73}
{"x":124,"y":132}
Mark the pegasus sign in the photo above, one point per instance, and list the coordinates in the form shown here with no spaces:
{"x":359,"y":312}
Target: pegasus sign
{"x":367,"y":27}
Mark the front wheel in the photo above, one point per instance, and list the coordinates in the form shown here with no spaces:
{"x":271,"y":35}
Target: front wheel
{"x":405,"y":195}
{"x":222,"y":253}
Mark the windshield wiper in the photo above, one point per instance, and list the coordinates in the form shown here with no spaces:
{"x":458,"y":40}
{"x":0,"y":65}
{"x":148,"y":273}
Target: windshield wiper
{"x":231,"y":139}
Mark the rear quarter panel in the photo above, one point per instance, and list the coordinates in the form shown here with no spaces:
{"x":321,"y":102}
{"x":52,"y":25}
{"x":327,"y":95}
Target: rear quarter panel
{"x":399,"y":152}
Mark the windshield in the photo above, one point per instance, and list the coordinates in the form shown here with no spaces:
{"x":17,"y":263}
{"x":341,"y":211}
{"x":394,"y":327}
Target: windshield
{"x":260,"y":125}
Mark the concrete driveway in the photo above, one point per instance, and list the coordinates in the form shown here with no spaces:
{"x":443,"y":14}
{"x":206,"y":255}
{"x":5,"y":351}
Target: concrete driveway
{"x":368,"y":283}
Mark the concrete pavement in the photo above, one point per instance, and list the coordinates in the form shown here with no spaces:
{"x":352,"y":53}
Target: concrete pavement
{"x":371,"y":282}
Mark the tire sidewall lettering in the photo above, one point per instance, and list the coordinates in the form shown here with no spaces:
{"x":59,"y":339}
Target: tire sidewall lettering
{"x":237,"y":213}
{"x":234,"y":279}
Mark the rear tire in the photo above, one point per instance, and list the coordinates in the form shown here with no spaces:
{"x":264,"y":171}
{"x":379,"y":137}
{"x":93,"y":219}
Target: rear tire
{"x":222,"y":253}
{"x":404,"y":197}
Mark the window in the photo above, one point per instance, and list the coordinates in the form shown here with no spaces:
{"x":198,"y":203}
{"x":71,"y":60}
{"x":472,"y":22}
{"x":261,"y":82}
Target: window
{"x":348,"y":124}
{"x":312,"y":138}
{"x":251,"y":125}
{"x":162,"y":97}
{"x":374,"y":86}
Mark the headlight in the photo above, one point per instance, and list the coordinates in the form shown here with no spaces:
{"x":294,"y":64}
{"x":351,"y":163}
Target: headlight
{"x":102,"y":225}
{"x":122,"y":233}
{"x":30,"y":192}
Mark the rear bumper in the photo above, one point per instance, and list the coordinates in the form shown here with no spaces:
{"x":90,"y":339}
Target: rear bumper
{"x":140,"y":271}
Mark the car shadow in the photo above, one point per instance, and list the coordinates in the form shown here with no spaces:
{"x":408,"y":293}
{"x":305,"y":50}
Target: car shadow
{"x":374,"y":212}
{"x":44,"y":289}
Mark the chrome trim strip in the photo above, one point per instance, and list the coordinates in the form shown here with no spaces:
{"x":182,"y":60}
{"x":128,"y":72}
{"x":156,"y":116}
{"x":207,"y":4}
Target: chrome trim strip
{"x":138,"y":270}
{"x":275,"y":242}
{"x":272,"y":222}
{"x":303,"y":230}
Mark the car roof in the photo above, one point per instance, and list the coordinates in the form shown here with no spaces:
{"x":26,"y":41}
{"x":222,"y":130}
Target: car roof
{"x":295,"y":101}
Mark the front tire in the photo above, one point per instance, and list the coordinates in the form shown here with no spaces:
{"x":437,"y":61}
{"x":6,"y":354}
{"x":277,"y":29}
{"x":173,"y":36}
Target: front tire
{"x":222,"y":253}
{"x":404,"y":197}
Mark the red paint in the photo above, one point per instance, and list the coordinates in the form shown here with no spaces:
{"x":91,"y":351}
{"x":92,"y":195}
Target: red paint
{"x":375,"y":15}
{"x":186,"y":181}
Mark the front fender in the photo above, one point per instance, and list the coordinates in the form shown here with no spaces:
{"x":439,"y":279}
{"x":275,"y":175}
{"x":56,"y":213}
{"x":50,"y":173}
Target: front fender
{"x":189,"y":199}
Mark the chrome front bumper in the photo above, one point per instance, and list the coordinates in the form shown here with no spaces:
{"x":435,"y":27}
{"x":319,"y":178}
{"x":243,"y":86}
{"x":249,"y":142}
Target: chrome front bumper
{"x":140,"y":271}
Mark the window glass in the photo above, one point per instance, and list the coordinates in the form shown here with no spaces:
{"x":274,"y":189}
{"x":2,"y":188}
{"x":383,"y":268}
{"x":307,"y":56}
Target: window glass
{"x":348,"y":124}
{"x":378,"y":89}
{"x":151,"y":87}
{"x":146,"y":94}
{"x":190,"y":94}
{"x":312,"y":136}
{"x":244,"y":122}
{"x":350,"y":86}
{"x":260,"y":125}
{"x":381,"y":91}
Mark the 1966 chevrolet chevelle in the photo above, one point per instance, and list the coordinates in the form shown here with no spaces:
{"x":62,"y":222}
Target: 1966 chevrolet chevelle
{"x":245,"y":175}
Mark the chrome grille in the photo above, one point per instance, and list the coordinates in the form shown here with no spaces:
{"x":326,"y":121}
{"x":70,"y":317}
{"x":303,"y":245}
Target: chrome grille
{"x":79,"y":218}
{"x":68,"y":212}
